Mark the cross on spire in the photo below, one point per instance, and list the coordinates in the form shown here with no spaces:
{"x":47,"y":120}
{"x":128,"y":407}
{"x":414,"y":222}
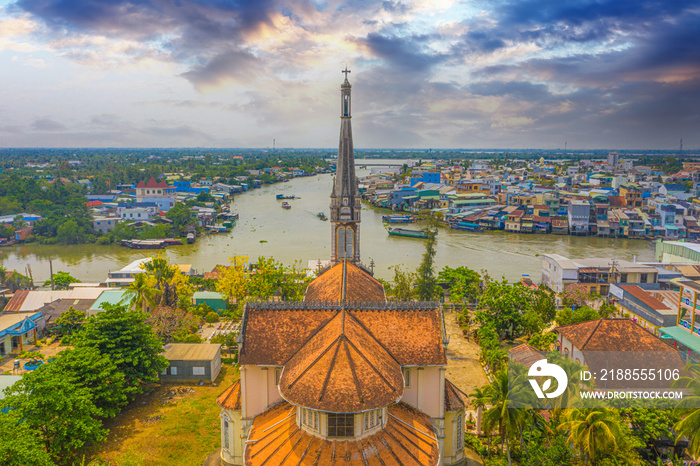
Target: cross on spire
{"x":346,"y":71}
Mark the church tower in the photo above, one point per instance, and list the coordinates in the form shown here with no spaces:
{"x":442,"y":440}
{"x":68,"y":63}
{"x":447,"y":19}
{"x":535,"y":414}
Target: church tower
{"x":345,"y":196}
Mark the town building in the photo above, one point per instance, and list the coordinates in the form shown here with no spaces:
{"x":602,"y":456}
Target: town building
{"x":153,"y":189}
{"x":596,"y":274}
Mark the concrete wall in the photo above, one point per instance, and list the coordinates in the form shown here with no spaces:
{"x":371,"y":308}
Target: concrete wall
{"x":426,"y":391}
{"x":260,"y":389}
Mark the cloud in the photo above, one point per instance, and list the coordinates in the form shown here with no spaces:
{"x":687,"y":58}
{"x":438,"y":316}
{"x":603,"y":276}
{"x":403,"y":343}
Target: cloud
{"x":46,"y":124}
{"x":233,"y":65}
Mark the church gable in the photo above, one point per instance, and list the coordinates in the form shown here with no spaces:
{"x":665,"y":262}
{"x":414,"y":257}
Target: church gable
{"x":360,"y":286}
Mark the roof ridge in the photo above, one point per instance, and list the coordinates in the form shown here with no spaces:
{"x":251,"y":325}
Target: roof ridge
{"x":330,"y":368}
{"x":351,"y":363}
{"x":388,"y":384}
{"x":374,"y":338}
{"x":591,"y":334}
{"x":313,"y":334}
{"x":313,"y":363}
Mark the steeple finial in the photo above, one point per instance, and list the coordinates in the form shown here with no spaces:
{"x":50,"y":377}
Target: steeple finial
{"x":346,"y":71}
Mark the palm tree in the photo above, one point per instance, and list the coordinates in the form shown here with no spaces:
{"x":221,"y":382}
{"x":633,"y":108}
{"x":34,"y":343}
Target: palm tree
{"x":689,"y":426}
{"x":163,"y":273}
{"x":593,"y":431}
{"x":503,"y":413}
{"x":141,"y":293}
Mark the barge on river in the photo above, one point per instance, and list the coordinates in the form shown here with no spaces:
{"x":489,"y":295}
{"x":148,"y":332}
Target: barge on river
{"x":399,"y":218}
{"x":282,"y":196}
{"x":150,"y":243}
{"x":467,"y":226}
{"x":408,"y":233}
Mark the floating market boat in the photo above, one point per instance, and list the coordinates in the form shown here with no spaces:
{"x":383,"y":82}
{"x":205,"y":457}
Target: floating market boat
{"x":467,"y":226}
{"x":399,"y":218}
{"x":408,"y":233}
{"x":322,"y":216}
{"x":282,"y":196}
{"x":219,"y":229}
{"x":285,"y":205}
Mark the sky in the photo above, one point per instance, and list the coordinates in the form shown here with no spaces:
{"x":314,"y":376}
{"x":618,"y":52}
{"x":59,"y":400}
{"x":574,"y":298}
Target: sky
{"x":591,"y":74}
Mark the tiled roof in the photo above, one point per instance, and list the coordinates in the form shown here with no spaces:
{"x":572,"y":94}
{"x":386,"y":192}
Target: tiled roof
{"x":360,"y":286}
{"x":342,"y":369}
{"x":612,"y":335}
{"x":152,"y":183}
{"x":455,"y":399}
{"x":408,"y":439}
{"x":272,"y":333}
{"x":524,"y":354}
{"x":231,"y":397}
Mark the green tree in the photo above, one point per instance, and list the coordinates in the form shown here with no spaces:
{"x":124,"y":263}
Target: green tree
{"x":503,"y":305}
{"x":63,"y":414}
{"x":594,"y":432}
{"x":21,"y":445}
{"x":61,"y":280}
{"x":233,"y":280}
{"x":568,"y":316}
{"x":70,"y":321}
{"x":163,"y":274}
{"x":464,"y":283}
{"x":86,"y":367}
{"x":545,"y":304}
{"x":168,"y":322}
{"x":426,"y":282}
{"x":181,"y":216}
{"x":402,"y":287}
{"x":687,"y":408}
{"x":132,"y":344}
{"x":141,"y":293}
{"x":69,"y":233}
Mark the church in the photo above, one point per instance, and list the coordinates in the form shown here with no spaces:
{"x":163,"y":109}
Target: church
{"x":344,"y":377}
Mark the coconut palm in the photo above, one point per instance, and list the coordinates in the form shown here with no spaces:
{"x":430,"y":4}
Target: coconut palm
{"x":163,"y":273}
{"x":503,"y":413}
{"x":141,"y":292}
{"x":593,"y":431}
{"x":689,"y":426}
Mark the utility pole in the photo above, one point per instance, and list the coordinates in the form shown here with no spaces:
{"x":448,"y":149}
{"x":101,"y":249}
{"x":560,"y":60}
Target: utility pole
{"x":371,"y":265}
{"x":51,"y":271}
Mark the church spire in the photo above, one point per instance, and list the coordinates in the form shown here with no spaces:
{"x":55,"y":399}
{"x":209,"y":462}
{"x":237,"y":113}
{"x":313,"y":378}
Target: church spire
{"x":345,"y":196}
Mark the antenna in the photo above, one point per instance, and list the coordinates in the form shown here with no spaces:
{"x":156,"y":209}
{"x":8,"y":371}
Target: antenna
{"x":680,"y":152}
{"x":273,"y":144}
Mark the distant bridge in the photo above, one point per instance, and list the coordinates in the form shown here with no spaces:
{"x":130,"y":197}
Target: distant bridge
{"x":362,"y":165}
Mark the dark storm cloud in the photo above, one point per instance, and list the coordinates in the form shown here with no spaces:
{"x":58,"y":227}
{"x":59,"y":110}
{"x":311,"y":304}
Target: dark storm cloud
{"x":234,"y":64}
{"x":402,"y":52}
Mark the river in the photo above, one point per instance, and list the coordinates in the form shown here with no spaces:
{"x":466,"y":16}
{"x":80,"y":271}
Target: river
{"x":265,"y":229}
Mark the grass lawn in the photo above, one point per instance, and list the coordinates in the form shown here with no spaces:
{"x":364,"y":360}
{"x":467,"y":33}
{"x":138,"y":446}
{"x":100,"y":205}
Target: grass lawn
{"x":172,"y":425}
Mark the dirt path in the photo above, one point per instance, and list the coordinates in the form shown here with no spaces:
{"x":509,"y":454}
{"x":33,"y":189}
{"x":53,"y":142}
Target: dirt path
{"x":463,"y":367}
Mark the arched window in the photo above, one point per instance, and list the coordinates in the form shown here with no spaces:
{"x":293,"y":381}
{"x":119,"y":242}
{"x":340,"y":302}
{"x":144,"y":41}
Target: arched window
{"x":349,"y":242}
{"x":227,"y":434}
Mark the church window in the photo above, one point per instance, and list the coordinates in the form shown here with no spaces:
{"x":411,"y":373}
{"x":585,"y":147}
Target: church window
{"x":372,"y":419}
{"x":406,"y":377}
{"x":341,"y":425}
{"x":310,"y":418}
{"x":341,"y":243}
{"x":459,"y":430}
{"x":227,"y":441}
{"x":345,"y":201}
{"x":349,"y":242}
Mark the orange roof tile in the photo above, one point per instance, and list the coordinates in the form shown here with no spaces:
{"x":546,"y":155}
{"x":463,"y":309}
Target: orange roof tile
{"x":455,"y":399}
{"x":273,"y":332}
{"x":342,"y":369}
{"x":612,"y":335}
{"x":360,"y":286}
{"x":231,"y":397}
{"x":524,"y":354}
{"x":408,"y":439}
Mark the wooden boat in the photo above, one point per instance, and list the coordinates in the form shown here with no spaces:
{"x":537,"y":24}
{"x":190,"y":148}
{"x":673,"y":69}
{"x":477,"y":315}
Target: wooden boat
{"x":399,"y":218}
{"x":229,"y":223}
{"x":467,"y":226}
{"x":190,"y":238}
{"x":219,"y":229}
{"x":282,"y":196}
{"x":285,"y":205}
{"x":407,"y":233}
{"x":322,"y":216}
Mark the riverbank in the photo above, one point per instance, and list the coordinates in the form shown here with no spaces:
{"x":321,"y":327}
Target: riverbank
{"x":297,"y":234}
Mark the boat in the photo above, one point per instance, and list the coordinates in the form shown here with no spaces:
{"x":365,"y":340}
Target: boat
{"x":408,"y":233}
{"x":219,"y":229}
{"x":322,"y":216}
{"x":285,"y":205}
{"x":399,"y":218}
{"x":150,"y":243}
{"x":190,"y":238}
{"x":282,"y":196}
{"x":467,"y":226}
{"x":229,"y":223}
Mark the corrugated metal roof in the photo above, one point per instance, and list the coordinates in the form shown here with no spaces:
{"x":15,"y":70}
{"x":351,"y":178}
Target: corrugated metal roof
{"x":191,"y":351}
{"x":32,"y":300}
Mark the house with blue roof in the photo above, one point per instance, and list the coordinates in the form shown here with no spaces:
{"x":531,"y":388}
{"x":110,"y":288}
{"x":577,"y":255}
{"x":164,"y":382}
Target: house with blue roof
{"x":18,"y":331}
